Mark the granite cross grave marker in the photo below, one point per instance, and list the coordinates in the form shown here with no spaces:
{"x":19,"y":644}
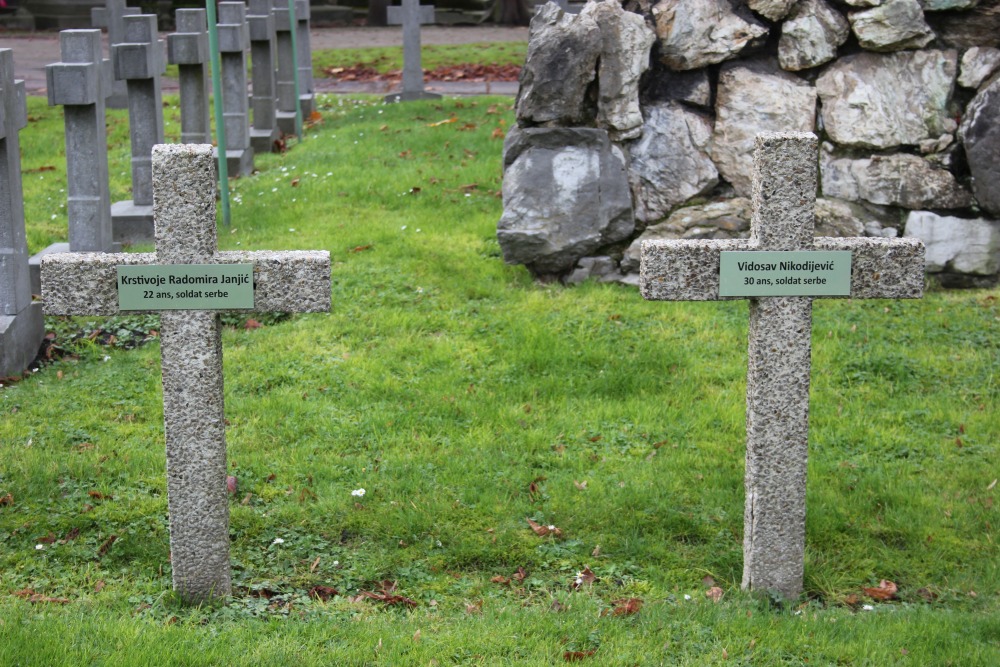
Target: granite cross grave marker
{"x":139,"y":61}
{"x":112,"y":17}
{"x":188,"y":49}
{"x":285,"y":73}
{"x":264,"y":134}
{"x":191,"y":347}
{"x":21,"y":326}
{"x":787,"y":272}
{"x":81,"y":83}
{"x":234,"y":39}
{"x":307,"y":88}
{"x":410,"y":15}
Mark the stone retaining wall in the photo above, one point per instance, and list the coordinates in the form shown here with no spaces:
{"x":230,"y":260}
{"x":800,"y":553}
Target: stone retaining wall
{"x":635,"y":121}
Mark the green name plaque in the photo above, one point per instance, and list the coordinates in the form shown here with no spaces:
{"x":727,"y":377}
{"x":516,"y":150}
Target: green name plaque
{"x":185,"y":287}
{"x":785,"y":273}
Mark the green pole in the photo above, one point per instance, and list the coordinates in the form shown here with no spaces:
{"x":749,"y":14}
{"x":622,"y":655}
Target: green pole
{"x":294,"y":25}
{"x":220,"y":121}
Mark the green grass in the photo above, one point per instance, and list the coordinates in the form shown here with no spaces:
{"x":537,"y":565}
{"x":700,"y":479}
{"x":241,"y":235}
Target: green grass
{"x":465,"y":398}
{"x":432,"y":56}
{"x":388,"y":58}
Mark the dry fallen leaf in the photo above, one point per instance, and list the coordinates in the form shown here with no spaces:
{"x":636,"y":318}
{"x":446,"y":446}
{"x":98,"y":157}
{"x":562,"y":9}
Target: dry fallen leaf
{"x":626,"y":606}
{"x":386,"y":596}
{"x":103,"y":549}
{"x":474,"y":607}
{"x":231,"y":484}
{"x":886,"y":590}
{"x":714,"y":593}
{"x":574,"y":656}
{"x":543,"y":531}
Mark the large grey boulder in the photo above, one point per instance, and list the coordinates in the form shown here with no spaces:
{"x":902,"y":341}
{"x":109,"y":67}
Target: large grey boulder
{"x":978,"y":64}
{"x":900,"y":179}
{"x":625,"y":44}
{"x":696,"y":33}
{"x":810,"y":35}
{"x":892,"y":26}
{"x":565,"y":195}
{"x":880,"y":101}
{"x":980,"y":133}
{"x":668,"y":165}
{"x":559,"y":69}
{"x":958,"y":246}
{"x":755,"y":97}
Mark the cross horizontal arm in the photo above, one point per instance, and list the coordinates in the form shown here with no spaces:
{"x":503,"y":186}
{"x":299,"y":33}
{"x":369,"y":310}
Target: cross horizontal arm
{"x":684,"y":270}
{"x":395,"y":15}
{"x":296,"y":281}
{"x":689,"y":270}
{"x":881,"y":268}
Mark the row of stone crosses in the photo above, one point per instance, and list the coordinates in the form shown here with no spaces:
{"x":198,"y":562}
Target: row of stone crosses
{"x":184,"y":181}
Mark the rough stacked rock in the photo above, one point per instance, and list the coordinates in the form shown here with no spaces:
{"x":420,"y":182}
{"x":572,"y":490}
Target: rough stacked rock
{"x":635,"y":117}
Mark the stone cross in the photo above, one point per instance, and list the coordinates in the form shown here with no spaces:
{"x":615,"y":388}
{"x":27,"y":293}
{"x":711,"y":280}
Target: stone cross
{"x":188,"y":49}
{"x":784,"y":191}
{"x":112,"y":17}
{"x":139,"y":61}
{"x":80,"y":83}
{"x":21,"y":326}
{"x":234,"y":38}
{"x":307,"y":89}
{"x":284,"y":23}
{"x":410,"y":16}
{"x":191,"y":350}
{"x":264,"y":134}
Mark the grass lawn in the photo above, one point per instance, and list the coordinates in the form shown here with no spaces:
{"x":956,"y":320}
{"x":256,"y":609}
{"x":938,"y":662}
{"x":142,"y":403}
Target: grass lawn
{"x":466,"y":399}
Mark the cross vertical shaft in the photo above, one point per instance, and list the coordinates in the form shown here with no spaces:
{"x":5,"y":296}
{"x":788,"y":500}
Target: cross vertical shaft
{"x":193,"y":405}
{"x":784,"y":192}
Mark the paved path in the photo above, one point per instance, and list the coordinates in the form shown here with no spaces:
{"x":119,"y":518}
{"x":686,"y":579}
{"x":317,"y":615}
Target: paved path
{"x":33,"y":51}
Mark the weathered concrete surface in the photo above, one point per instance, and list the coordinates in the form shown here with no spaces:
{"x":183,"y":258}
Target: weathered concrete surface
{"x":21,"y":327}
